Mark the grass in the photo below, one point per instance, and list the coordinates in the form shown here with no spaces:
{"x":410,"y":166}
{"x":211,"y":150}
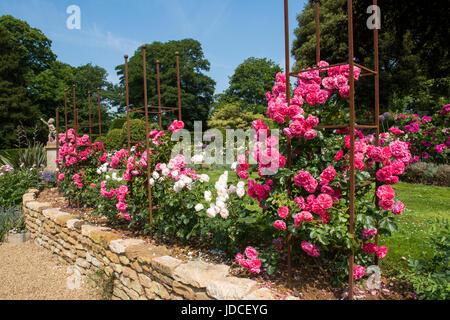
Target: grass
{"x":422,"y":203}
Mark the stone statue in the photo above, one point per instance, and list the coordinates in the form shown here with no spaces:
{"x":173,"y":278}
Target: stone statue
{"x":51,"y":129}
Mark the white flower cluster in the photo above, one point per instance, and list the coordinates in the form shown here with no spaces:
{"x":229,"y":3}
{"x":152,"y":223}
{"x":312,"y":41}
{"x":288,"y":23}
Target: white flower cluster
{"x":103,"y":168}
{"x":223,"y":195}
{"x":184,"y":181}
{"x":114,"y":177}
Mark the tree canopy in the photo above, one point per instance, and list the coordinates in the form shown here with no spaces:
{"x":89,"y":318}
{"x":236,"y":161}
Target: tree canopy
{"x":197,"y":89}
{"x":413,"y":49}
{"x":33,"y":83}
{"x":15,"y":106}
{"x":249,"y":83}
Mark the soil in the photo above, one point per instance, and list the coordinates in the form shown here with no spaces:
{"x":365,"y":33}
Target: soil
{"x":309,"y":281}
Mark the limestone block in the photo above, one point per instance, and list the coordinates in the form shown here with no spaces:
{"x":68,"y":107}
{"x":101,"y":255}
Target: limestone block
{"x":231,"y":288}
{"x":119,"y":246}
{"x":198,"y":273}
{"x":165,"y":264}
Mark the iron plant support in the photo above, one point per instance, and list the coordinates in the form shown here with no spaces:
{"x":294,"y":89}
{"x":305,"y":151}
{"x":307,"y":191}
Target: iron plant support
{"x":352,"y":125}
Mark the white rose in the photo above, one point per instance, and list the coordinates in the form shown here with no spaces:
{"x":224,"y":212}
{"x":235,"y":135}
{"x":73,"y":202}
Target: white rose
{"x":233,"y":166}
{"x":174,"y":173}
{"x":211,"y":212}
{"x":241,"y":184}
{"x":224,"y":213}
{"x":204,"y":178}
{"x":155,"y":175}
{"x":165,"y":171}
{"x":231,"y":189}
{"x":220,"y":204}
{"x":240,"y":192}
{"x":199,"y":207}
{"x":152,"y":181}
{"x":208,"y":195}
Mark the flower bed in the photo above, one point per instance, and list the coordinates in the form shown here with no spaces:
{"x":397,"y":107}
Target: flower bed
{"x":255,"y":217}
{"x":140,"y":270}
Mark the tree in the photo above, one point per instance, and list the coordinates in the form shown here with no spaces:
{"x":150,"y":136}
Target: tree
{"x":15,"y":106}
{"x":34,"y":47}
{"x":413,"y":48}
{"x":197,"y":89}
{"x":232,"y":116}
{"x":249,"y":83}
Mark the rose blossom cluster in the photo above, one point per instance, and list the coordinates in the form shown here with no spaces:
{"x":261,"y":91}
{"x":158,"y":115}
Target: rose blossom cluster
{"x":77,"y":180}
{"x":176,"y":126}
{"x":259,"y":191}
{"x":252,"y":264}
{"x":70,"y":153}
{"x":223,"y":195}
{"x":120,"y":194}
{"x":155,"y":136}
{"x":242,"y":167}
{"x":310,"y":249}
{"x":265,"y":150}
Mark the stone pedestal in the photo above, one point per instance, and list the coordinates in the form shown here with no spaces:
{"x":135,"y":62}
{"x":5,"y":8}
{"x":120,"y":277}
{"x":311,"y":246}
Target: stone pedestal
{"x":51,"y":156}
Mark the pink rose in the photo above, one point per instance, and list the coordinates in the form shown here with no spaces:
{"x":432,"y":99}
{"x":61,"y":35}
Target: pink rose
{"x":310,"y":249}
{"x":251,"y":253}
{"x":369,"y":247}
{"x":324,"y":201}
{"x":382,"y":251}
{"x":280,"y":225}
{"x":339,"y":155}
{"x":385,"y":192}
{"x":398,"y":208}
{"x":369,"y":233}
{"x":386,"y":204}
{"x":358,"y":272}
{"x":283,"y":212}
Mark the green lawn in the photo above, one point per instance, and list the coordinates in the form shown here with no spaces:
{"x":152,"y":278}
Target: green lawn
{"x":422,"y":203}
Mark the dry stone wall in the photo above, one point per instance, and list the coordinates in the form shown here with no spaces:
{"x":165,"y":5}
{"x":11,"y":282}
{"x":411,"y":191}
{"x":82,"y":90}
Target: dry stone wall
{"x":140,"y":270}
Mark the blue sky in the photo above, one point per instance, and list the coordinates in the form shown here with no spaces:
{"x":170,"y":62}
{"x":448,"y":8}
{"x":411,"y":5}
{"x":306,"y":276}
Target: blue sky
{"x":229,"y":30}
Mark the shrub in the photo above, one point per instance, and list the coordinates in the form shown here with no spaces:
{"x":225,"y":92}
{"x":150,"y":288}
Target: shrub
{"x":113,"y":140}
{"x":11,"y":218}
{"x":428,"y":136}
{"x":137,"y":131}
{"x":15,"y":183}
{"x":430,"y":277}
{"x":427,"y":173}
{"x":34,"y":155}
{"x":117,"y":124}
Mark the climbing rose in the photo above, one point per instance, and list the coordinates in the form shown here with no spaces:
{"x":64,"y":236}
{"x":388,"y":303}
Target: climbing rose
{"x":358,"y":272}
{"x":369,"y":233}
{"x":283,"y":212}
{"x":382,"y":251}
{"x":251,"y":253}
{"x":385,"y":192}
{"x":280,"y":225}
{"x":398,"y":208}
{"x":386,"y":204}
{"x":310,"y":249}
{"x":369,"y":247}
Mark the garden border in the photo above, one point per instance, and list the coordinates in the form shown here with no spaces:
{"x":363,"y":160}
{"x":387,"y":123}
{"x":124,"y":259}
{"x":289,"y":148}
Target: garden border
{"x":139,"y":270}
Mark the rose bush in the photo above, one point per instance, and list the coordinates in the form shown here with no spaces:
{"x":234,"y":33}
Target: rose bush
{"x":257,"y":214}
{"x":428,"y":137}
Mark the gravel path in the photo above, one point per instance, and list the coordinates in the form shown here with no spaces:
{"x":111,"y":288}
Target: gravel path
{"x":29,"y":272}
